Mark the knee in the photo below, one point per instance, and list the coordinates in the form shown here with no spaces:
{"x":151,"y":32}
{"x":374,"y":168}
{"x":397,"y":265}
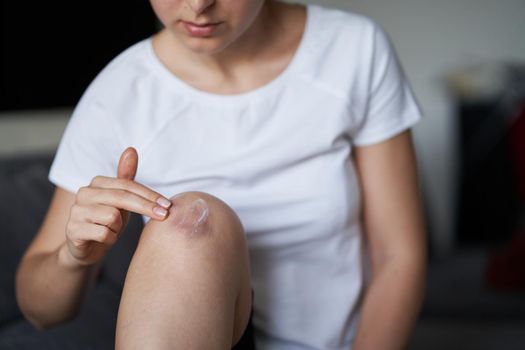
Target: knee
{"x":202,"y":232}
{"x":199,"y":216}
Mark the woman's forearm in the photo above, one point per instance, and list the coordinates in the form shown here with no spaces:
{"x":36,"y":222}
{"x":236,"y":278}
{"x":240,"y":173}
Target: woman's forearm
{"x":391,"y":305}
{"x":50,"y":288}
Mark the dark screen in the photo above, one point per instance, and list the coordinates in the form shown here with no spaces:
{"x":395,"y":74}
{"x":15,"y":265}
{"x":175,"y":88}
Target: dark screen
{"x":51,"y":50}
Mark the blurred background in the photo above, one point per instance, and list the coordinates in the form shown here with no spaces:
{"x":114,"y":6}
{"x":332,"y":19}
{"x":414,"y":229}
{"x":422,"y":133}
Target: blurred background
{"x":465,"y":60}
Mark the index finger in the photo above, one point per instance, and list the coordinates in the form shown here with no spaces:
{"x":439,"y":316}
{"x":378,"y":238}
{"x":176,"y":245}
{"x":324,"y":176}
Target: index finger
{"x":122,"y":200}
{"x":131,"y":186}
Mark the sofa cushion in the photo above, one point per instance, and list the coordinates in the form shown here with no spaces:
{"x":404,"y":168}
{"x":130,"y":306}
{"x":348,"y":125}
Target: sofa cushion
{"x":25,"y":193}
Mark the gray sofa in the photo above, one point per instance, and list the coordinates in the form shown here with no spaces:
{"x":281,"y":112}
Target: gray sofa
{"x":25,"y":193}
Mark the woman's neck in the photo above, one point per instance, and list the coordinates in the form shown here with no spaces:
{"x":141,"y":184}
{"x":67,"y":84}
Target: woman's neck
{"x":269,"y":43}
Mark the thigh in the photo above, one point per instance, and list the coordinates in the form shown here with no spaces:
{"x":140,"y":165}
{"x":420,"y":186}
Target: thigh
{"x":189,"y":276}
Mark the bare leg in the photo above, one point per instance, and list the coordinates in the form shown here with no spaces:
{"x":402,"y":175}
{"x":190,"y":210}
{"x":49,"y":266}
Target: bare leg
{"x":188,"y":284}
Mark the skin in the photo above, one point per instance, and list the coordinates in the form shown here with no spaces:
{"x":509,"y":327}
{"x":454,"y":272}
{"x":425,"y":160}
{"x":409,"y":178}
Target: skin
{"x":58,"y":273}
{"x":255,"y":44}
{"x":199,"y":265}
{"x":194,"y":220}
{"x":57,"y":268}
{"x":240,"y":58}
{"x":395,"y":230}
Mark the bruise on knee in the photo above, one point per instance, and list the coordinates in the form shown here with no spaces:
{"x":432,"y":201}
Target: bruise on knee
{"x":192,"y":217}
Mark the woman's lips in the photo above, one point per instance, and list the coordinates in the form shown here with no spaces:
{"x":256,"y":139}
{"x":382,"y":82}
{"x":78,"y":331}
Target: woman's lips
{"x":200,"y":30}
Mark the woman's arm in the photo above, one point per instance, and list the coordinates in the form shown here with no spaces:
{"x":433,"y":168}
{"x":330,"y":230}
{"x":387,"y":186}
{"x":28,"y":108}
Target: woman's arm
{"x":49,"y":286}
{"x":77,"y":232}
{"x":395,"y":229}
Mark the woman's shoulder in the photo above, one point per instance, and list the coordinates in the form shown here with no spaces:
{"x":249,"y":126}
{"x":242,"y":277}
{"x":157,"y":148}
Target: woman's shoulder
{"x":117,"y":88}
{"x":340,"y":49}
{"x":344,"y":22}
{"x":341,"y":37}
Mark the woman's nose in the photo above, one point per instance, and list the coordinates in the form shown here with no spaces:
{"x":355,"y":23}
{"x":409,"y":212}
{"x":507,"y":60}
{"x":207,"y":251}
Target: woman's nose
{"x":199,"y":6}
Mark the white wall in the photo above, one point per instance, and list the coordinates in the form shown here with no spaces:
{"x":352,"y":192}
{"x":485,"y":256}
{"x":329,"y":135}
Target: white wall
{"x":431,"y":37}
{"x":31,"y":131}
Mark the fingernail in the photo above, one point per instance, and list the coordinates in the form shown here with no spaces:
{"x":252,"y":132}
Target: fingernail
{"x":160,"y":211}
{"x":163,"y":202}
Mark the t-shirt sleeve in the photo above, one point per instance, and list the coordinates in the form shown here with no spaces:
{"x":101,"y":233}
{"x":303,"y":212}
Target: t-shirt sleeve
{"x":88,"y":146}
{"x":390,"y":105}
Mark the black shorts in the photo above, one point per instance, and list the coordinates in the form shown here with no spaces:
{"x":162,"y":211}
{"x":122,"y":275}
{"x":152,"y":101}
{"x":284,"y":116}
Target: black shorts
{"x":247,"y":341}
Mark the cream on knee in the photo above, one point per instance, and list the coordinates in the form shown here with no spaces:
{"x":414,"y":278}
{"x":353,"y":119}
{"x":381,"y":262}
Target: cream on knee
{"x":198,"y":214}
{"x":190,"y":217}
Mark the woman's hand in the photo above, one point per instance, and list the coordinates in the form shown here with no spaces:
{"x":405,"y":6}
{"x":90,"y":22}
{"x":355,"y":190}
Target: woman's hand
{"x":101,"y":211}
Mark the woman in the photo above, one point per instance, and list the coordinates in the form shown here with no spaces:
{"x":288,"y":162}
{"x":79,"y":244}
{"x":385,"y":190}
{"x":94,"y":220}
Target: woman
{"x":284,"y":132}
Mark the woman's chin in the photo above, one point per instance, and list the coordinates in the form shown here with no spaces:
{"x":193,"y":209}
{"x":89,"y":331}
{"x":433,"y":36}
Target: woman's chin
{"x":204,"y":46}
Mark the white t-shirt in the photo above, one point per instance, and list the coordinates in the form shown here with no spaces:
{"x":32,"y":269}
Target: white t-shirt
{"x":279,"y":155}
